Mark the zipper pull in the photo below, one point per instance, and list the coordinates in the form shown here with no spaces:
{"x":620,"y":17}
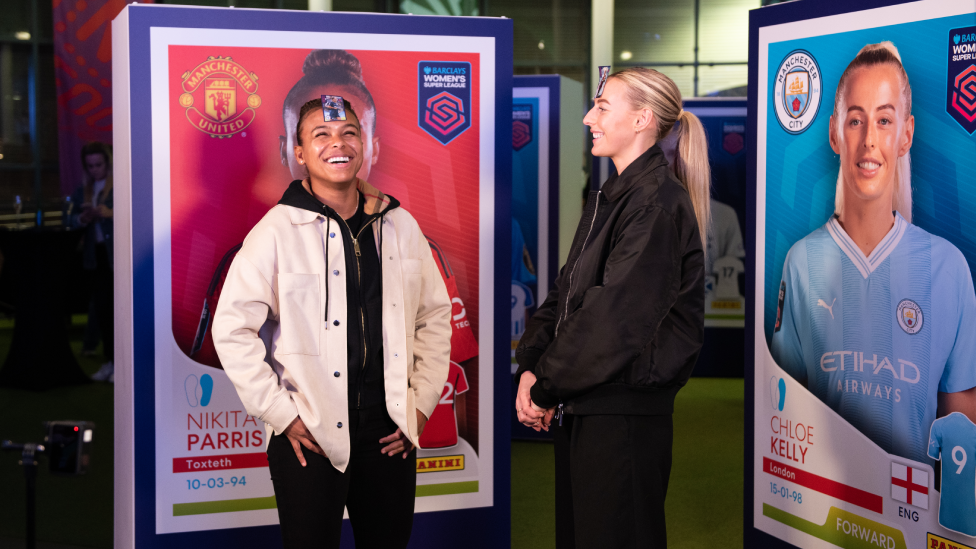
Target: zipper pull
{"x":559,"y":414}
{"x":355,"y":245}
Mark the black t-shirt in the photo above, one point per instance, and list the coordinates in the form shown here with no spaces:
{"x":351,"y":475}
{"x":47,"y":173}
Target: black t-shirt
{"x":364,"y":293}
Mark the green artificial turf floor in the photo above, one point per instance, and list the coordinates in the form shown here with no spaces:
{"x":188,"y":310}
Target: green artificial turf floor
{"x":70,"y":510}
{"x":704,"y":504}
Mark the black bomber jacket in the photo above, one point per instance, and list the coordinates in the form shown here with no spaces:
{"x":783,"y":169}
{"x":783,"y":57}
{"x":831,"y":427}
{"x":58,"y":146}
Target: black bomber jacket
{"x":621,"y":329}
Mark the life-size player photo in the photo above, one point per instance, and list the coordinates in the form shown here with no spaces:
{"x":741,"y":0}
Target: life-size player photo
{"x":414,"y":168}
{"x":877,"y":316}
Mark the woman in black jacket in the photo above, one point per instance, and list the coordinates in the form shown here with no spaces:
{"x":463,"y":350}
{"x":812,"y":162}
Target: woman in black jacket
{"x":619,"y":333}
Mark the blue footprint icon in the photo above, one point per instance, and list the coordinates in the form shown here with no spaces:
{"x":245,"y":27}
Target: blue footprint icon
{"x":206,"y":382}
{"x":191,"y":387}
{"x":777,"y":393}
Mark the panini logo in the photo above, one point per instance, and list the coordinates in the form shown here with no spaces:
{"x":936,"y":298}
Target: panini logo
{"x":440,"y":463}
{"x":939,"y":542}
{"x":444,"y":99}
{"x":215,"y":84}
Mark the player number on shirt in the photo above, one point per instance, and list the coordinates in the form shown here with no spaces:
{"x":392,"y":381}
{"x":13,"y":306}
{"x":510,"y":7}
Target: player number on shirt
{"x":446,"y":397}
{"x":960,"y":462}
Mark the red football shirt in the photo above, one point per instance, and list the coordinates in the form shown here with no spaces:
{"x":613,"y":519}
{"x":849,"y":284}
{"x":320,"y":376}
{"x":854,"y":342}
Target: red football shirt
{"x":463,"y":343}
{"x":441,"y":430}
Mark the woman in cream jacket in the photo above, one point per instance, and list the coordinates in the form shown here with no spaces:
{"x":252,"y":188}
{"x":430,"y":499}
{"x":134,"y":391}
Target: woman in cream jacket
{"x":332,"y":251}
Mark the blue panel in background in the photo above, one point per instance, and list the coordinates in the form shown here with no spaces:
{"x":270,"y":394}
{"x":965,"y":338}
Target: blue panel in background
{"x":724,"y":120}
{"x":526,"y":155}
{"x":525,"y":178}
{"x":529,"y":151}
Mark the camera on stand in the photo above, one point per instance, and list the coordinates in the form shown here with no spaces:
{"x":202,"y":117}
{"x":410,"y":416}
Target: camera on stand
{"x":68,"y":446}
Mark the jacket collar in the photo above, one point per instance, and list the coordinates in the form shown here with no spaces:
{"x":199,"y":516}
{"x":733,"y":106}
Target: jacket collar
{"x":618,"y":185}
{"x":305,"y":208}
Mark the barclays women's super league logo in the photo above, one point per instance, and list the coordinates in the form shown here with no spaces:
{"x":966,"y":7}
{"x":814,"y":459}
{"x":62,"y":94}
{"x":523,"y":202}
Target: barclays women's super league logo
{"x":961,"y":87}
{"x":521,"y":126}
{"x":444,"y":99}
{"x":797,"y":91}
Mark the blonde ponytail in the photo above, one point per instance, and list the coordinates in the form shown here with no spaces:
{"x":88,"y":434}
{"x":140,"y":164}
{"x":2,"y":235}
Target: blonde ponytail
{"x":691,"y":168}
{"x":649,"y":89}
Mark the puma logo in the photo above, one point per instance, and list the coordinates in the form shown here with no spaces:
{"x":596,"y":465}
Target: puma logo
{"x":829,"y":308}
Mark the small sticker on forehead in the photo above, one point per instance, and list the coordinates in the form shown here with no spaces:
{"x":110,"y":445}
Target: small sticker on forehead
{"x":333,"y":108}
{"x":604,"y":74}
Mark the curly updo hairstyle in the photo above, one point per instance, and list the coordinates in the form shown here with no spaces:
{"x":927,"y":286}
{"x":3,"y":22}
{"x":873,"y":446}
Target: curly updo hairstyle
{"x":330,"y":68}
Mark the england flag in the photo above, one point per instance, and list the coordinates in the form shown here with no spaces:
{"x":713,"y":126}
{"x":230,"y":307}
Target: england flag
{"x":910,"y":485}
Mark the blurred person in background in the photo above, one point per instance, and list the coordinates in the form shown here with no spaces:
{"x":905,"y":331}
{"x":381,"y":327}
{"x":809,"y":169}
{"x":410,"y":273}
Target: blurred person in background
{"x":92,"y":213}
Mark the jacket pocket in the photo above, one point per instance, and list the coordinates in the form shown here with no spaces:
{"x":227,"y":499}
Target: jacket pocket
{"x":412,"y":283}
{"x":299,"y":312}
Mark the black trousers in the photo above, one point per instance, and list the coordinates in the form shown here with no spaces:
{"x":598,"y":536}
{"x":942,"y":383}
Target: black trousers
{"x":611,"y":480}
{"x":101,"y":285}
{"x":377,"y":489}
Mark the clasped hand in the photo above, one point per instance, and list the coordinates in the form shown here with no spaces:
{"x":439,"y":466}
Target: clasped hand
{"x":528,"y":413}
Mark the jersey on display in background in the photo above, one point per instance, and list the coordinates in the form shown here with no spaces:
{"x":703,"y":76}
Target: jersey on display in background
{"x":441,"y":431}
{"x":724,"y":305}
{"x":522,"y":301}
{"x":953,"y":442}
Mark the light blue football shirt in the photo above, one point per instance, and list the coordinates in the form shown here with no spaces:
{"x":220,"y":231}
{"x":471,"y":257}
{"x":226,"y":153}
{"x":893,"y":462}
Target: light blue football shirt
{"x":877,"y":337}
{"x":954,"y":438}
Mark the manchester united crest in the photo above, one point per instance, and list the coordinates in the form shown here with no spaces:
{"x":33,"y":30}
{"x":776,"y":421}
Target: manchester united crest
{"x":220,"y":96}
{"x":909,"y":316}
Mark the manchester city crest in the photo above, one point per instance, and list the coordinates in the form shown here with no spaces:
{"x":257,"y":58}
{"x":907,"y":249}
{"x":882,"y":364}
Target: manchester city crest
{"x":797,"y":96}
{"x":797,"y":91}
{"x":909,"y":316}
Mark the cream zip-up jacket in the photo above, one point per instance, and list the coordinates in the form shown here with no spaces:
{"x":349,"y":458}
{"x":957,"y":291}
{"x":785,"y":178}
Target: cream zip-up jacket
{"x":281,"y":277}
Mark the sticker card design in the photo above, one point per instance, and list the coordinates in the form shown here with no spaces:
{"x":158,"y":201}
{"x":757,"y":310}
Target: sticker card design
{"x":604,"y":74}
{"x":333,"y":108}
